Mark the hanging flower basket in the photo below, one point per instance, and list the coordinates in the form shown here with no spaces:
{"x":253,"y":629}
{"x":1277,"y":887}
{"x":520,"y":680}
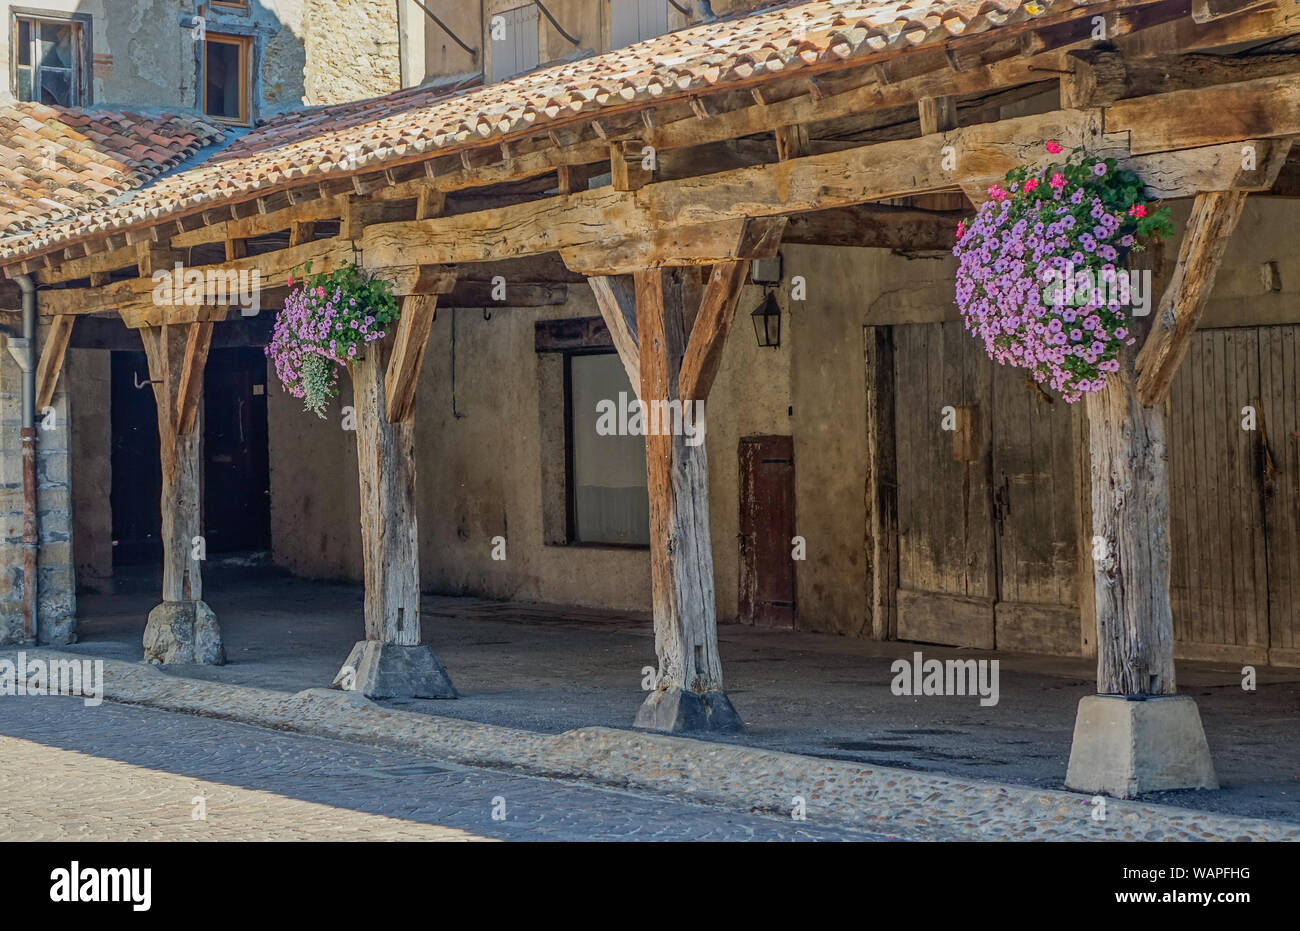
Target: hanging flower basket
{"x":1041,"y":279}
{"x":327,"y":321}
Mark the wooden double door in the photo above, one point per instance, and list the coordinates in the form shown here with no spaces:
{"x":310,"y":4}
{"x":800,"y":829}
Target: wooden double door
{"x":987,"y":499}
{"x":993,"y":514}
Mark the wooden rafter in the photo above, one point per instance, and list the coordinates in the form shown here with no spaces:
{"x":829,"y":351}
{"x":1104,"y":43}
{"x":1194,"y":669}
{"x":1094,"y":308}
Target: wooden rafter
{"x":986,"y":64}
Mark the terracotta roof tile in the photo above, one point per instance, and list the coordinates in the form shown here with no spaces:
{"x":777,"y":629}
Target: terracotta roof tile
{"x":366,"y":134}
{"x":82,"y":159}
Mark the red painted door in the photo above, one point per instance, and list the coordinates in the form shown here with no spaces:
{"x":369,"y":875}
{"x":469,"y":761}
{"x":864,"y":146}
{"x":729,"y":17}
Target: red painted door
{"x":767,"y":531}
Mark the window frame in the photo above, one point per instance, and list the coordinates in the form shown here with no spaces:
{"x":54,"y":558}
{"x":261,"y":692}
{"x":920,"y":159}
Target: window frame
{"x":570,"y":487}
{"x":245,"y":45}
{"x":504,"y":8}
{"x":609,"y":24}
{"x":80,"y":78}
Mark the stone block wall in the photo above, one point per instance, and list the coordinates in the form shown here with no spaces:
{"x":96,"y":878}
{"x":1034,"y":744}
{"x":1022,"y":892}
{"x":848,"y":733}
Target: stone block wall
{"x":56,"y":578}
{"x":353,"y":50}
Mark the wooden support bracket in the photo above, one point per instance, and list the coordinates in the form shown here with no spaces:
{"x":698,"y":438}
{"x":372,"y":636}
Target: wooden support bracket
{"x":403,"y":373}
{"x":1214,"y":217}
{"x":56,"y":347}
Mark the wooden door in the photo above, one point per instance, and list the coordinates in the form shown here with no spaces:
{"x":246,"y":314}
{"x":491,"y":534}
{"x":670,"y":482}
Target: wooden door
{"x":137,"y":473}
{"x":1035,"y":508}
{"x":1218,"y":590}
{"x":1279,"y":464}
{"x":947,"y":573}
{"x":1235,"y":497}
{"x":767,"y":529}
{"x":236,"y":470}
{"x":987,"y":510}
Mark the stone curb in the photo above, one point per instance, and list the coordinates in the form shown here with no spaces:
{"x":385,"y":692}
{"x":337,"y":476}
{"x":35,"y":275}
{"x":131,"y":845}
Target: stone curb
{"x":908,"y":804}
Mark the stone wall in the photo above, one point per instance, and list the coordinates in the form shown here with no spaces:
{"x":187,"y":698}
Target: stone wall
{"x":353,"y":50}
{"x":56,"y":615}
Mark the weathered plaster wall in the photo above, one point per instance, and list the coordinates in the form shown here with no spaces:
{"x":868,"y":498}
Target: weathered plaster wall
{"x":479,"y":474}
{"x":87,"y":378}
{"x":305,"y":51}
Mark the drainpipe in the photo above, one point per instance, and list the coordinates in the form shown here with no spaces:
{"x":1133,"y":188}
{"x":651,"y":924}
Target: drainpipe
{"x":24,"y":352}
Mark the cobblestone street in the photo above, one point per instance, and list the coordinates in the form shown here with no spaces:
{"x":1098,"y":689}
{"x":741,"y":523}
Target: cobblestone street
{"x":118,"y":773}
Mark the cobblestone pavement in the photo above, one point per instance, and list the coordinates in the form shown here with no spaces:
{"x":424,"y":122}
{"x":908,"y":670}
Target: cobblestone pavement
{"x":122,"y":773}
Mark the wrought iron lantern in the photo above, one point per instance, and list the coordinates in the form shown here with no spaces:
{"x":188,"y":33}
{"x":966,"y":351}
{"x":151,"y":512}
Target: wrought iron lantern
{"x":767,"y":322}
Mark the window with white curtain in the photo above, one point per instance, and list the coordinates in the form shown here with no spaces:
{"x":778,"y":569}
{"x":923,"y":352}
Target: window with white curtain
{"x":607,"y":474}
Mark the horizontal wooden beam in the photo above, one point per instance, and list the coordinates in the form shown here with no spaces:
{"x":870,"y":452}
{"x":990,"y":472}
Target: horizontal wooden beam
{"x":699,"y":244}
{"x":586,"y":222}
{"x":1100,"y":77}
{"x":875,"y":226}
{"x":1262,"y":108}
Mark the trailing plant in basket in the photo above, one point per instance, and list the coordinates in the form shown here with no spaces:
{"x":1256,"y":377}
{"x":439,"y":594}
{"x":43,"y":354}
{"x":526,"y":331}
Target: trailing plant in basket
{"x":1040,"y":279}
{"x":327,"y":321}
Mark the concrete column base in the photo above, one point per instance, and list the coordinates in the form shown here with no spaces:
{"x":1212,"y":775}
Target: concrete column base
{"x":1126,"y":748}
{"x":679,"y":711}
{"x":183,"y":632}
{"x":390,"y":670}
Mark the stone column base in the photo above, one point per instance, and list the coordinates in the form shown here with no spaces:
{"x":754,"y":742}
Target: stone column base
{"x":183,"y":632}
{"x":390,"y":670}
{"x":1126,"y":748}
{"x":677,"y":710}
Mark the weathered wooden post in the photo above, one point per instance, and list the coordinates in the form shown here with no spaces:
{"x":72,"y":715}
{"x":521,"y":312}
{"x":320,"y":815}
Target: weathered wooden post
{"x":1137,"y":734}
{"x":391,"y":662}
{"x":182,"y":629}
{"x":669,"y":328}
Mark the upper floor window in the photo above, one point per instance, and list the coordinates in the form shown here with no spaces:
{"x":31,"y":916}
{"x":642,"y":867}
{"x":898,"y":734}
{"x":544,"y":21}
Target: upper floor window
{"x":514,"y":38}
{"x":226,"y":72}
{"x":50,"y":56}
{"x":632,"y":21}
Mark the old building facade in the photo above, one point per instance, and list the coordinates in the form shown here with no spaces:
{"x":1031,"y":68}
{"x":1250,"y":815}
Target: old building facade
{"x":542,"y":184}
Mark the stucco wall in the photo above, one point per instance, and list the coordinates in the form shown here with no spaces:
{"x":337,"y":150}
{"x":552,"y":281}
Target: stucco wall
{"x":480,"y":473}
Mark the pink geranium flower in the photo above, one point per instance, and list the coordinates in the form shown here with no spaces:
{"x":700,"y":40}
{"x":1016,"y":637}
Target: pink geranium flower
{"x":1054,"y":147}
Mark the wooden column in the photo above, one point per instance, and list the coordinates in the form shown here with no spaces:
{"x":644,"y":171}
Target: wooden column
{"x":391,"y":662}
{"x":1130,"y":513}
{"x":177,"y":355}
{"x":389,"y":541}
{"x":1129,"y":469}
{"x":678,"y":330}
{"x":1137,"y":734}
{"x":183,"y":628}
